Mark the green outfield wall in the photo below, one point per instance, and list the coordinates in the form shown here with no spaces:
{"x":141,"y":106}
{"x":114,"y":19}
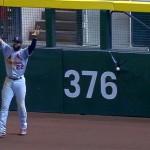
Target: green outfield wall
{"x":44,"y":81}
{"x":86,"y":82}
{"x":93,"y":86}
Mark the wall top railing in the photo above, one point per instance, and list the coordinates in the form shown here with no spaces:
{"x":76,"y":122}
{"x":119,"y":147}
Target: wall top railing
{"x":134,"y":6}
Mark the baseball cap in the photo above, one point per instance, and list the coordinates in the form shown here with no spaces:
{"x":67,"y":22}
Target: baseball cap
{"x":17,"y":39}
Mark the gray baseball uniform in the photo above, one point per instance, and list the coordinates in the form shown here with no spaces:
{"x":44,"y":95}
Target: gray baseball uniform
{"x":14,"y":84}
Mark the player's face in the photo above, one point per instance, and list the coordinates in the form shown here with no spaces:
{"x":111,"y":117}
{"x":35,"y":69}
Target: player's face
{"x":16,"y":45}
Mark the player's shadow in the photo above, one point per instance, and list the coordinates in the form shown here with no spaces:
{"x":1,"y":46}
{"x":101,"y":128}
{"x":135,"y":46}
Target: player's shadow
{"x":15,"y":134}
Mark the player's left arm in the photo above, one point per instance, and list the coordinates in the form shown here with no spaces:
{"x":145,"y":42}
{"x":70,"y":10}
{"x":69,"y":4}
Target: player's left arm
{"x":32,"y":46}
{"x":34,"y":40}
{"x":1,"y":41}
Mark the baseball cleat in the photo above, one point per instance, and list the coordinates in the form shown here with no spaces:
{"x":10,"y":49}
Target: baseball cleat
{"x":23,"y":131}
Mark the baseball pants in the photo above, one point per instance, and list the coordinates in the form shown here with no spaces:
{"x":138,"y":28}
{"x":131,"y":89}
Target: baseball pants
{"x":10,"y":89}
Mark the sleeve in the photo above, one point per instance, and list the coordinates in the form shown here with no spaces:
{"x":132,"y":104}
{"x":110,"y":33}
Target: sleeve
{"x":4,"y":45}
{"x":32,"y":46}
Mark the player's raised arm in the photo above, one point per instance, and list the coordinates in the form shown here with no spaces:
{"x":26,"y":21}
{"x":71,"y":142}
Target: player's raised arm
{"x":34,"y":39}
{"x":1,"y":41}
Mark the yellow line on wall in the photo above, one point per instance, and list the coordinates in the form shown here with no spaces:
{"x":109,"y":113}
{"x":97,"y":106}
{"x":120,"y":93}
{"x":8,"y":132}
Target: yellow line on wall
{"x":132,"y":6}
{"x":135,"y":6}
{"x":1,"y":3}
{"x":67,"y":4}
{"x":31,"y":3}
{"x":86,"y":4}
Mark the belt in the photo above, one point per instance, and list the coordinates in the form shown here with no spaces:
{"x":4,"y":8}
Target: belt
{"x":15,"y":78}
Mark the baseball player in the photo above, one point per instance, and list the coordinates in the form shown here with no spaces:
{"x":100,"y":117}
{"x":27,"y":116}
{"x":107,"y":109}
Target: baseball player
{"x":16,"y":60}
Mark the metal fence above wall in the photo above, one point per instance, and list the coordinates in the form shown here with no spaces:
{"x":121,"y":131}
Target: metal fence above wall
{"x":10,"y":21}
{"x":140,"y":30}
{"x":75,"y":27}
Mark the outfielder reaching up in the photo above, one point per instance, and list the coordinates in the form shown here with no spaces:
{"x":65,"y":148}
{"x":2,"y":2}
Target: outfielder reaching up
{"x":16,"y":60}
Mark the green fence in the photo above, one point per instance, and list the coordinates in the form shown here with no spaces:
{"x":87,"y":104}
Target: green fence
{"x":86,"y":82}
{"x":93,"y":86}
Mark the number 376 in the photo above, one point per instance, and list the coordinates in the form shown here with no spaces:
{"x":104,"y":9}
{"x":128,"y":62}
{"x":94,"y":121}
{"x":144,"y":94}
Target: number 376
{"x":93,"y":75}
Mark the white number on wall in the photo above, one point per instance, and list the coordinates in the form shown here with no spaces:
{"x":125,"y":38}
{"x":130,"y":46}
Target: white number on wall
{"x":73,"y":83}
{"x":104,"y":84}
{"x":111,"y":85}
{"x":93,"y":75}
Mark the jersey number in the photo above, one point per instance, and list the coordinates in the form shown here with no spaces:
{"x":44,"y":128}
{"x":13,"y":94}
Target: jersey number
{"x":19,"y":67}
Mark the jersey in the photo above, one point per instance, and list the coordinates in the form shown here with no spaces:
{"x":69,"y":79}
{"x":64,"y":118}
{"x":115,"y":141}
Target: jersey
{"x":15,"y":61}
